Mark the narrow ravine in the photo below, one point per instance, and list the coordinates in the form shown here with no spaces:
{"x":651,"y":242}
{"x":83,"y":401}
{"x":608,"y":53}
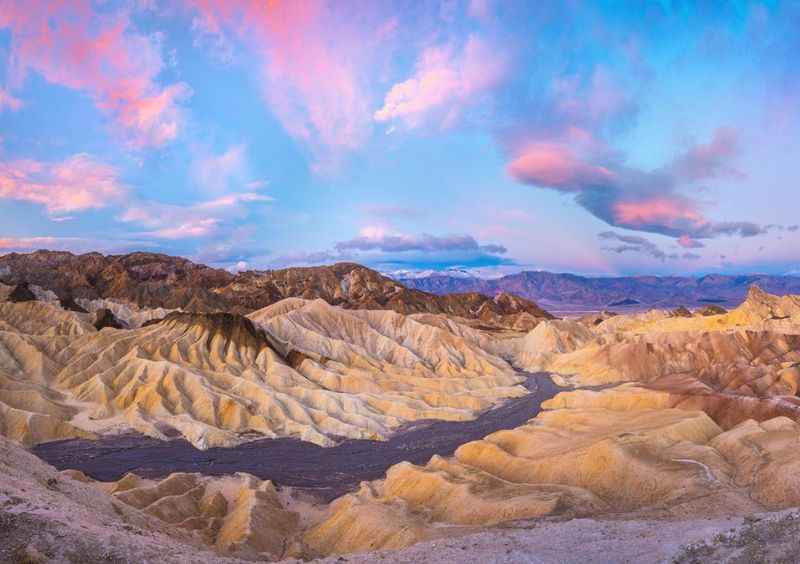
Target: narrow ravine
{"x":325,"y":472}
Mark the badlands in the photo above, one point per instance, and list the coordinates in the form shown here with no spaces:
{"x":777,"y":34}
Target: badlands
{"x":663,"y":435}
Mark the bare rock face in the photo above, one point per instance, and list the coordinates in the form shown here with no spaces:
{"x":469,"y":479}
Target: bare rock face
{"x":22,"y":293}
{"x":50,"y":516}
{"x":734,"y":366}
{"x":306,"y":370}
{"x":563,"y":463}
{"x":105,"y":318}
{"x":710,"y":310}
{"x":237,"y":514}
{"x":149,"y":280}
{"x":70,"y":304}
{"x":681,"y":311}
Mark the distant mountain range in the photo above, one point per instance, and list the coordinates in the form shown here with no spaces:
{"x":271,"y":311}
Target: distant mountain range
{"x":151,"y":280}
{"x":569,"y":292}
{"x":154,"y":280}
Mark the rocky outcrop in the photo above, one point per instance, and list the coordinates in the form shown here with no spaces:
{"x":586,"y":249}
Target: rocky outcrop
{"x":47,"y":516}
{"x":710,"y":310}
{"x":307,"y":370}
{"x":70,"y":304}
{"x":149,"y":280}
{"x":237,"y":514}
{"x":562,"y":463}
{"x":21,"y":293}
{"x":681,"y":311}
{"x":105,"y":318}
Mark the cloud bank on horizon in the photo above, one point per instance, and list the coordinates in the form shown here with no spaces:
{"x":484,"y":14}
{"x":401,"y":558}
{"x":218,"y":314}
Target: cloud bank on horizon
{"x":481,"y":134}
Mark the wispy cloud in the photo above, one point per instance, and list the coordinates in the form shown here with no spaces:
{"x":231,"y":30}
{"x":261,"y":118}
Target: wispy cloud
{"x":313,"y":60}
{"x":76,"y":184}
{"x":634,"y":244}
{"x":196,"y":221}
{"x":447,"y":80}
{"x":376,"y":239}
{"x":217,"y":173}
{"x":77,"y":46}
{"x":73,"y":244}
{"x":393,"y":211}
{"x":7,"y":101}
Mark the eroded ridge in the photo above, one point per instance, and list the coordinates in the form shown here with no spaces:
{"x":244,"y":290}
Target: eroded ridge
{"x":303,"y":369}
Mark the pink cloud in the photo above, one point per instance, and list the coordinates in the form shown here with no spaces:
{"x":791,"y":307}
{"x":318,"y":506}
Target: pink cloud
{"x":593,"y":99}
{"x":188,"y":230}
{"x":712,"y":159}
{"x":73,"y":244}
{"x":447,"y":80}
{"x":76,"y":184}
{"x":27,"y":243}
{"x":198,"y":220}
{"x":687,"y":242}
{"x":312,"y":61}
{"x":554,"y":166}
{"x":9,"y":101}
{"x":567,"y":156}
{"x":71,"y":44}
{"x":658,"y":210}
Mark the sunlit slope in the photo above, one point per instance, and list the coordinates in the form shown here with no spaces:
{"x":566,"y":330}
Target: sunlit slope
{"x":752,"y":350}
{"x":218,"y":379}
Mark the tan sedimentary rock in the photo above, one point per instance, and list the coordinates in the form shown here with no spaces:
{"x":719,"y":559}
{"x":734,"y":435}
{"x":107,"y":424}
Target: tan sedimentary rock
{"x":216,"y":377}
{"x":750,"y":352}
{"x":49,"y":516}
{"x":766,"y":457}
{"x":237,"y":514}
{"x":129,"y":313}
{"x":725,"y":408}
{"x":734,"y":366}
{"x":625,"y":397}
{"x":40,"y":318}
{"x":5,"y":291}
{"x":564,"y":462}
{"x":181,"y":518}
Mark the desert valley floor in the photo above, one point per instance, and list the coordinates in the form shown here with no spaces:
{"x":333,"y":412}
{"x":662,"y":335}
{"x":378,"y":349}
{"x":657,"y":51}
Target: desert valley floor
{"x":155,"y":410}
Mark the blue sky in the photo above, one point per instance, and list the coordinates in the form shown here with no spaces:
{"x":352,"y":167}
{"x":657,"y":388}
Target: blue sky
{"x":593,"y":137}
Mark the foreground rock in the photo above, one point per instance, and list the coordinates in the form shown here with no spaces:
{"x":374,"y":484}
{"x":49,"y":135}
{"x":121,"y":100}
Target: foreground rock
{"x":671,"y":479}
{"x":46,"y":516}
{"x":767,"y":537}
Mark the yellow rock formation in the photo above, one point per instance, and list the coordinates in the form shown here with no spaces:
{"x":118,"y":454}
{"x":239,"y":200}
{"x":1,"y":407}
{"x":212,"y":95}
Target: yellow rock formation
{"x":216,"y":377}
{"x":564,"y":462}
{"x":237,"y":514}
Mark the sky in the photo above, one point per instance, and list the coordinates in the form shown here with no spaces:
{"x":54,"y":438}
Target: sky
{"x":597,"y":137}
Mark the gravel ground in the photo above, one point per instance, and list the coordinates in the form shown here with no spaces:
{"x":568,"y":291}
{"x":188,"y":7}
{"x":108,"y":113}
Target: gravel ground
{"x":769,"y":537}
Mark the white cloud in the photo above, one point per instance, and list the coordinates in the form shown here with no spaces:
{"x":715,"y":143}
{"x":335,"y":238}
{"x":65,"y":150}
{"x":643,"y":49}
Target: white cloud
{"x":202,"y":219}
